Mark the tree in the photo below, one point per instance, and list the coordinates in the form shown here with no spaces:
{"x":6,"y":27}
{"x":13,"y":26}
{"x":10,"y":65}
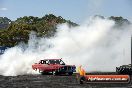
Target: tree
{"x":4,"y":22}
{"x":19,"y":30}
{"x":120,"y":21}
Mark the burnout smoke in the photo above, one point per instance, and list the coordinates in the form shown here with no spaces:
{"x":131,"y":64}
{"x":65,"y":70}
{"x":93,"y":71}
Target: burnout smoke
{"x":97,"y":45}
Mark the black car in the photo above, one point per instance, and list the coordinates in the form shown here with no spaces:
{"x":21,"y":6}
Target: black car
{"x":124,"y":69}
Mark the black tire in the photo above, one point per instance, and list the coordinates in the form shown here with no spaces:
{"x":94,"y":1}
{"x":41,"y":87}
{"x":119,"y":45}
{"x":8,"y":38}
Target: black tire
{"x":82,"y":80}
{"x":43,"y":72}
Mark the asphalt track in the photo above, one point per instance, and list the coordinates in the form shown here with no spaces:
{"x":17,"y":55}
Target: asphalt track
{"x":50,"y":81}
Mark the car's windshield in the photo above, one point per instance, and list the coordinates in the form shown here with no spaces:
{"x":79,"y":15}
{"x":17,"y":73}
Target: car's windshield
{"x":61,"y":62}
{"x":56,"y":62}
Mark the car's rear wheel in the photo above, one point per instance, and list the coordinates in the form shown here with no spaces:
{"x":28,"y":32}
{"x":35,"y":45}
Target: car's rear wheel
{"x":43,"y":72}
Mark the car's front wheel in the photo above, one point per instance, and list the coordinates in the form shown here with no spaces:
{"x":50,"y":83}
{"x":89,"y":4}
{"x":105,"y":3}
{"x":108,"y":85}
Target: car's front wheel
{"x":70,"y":73}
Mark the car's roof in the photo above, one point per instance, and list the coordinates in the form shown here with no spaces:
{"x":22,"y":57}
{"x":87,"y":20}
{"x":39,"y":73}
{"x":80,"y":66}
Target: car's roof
{"x":52,"y":59}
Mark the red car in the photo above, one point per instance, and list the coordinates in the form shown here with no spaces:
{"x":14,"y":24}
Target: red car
{"x":54,"y":66}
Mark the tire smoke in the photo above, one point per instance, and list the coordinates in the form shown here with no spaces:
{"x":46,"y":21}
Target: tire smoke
{"x":97,"y":45}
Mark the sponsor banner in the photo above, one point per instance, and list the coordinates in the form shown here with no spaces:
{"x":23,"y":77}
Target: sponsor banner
{"x":107,"y":78}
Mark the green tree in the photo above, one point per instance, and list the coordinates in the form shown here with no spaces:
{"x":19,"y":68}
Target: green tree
{"x":120,"y":21}
{"x":18,"y":31}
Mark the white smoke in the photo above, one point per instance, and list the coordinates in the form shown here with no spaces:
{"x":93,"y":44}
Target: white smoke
{"x":96,"y":45}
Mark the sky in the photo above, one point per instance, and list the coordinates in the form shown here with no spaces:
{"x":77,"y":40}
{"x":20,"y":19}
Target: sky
{"x":75,"y":10}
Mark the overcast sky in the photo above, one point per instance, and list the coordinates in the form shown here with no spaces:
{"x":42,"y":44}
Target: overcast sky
{"x":74,"y":10}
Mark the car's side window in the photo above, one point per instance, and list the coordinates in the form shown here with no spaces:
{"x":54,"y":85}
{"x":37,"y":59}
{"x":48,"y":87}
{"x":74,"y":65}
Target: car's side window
{"x":46,"y":62}
{"x":43,"y":62}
